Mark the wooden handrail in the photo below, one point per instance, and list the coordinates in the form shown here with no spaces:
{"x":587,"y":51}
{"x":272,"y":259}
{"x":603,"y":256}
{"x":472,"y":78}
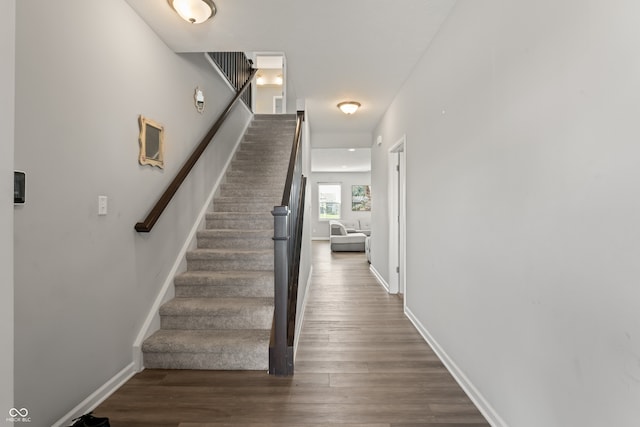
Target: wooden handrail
{"x":292,"y":160}
{"x":148,"y":223}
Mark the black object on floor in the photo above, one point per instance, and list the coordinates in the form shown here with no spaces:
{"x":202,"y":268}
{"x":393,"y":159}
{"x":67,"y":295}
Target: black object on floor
{"x":89,"y":420}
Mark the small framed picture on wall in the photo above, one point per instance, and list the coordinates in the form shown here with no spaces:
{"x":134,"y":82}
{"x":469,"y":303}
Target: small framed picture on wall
{"x":360,"y":197}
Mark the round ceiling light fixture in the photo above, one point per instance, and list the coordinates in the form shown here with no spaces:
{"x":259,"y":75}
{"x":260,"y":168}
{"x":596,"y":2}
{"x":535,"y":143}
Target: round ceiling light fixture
{"x":349,"y":107}
{"x":194,"y":11}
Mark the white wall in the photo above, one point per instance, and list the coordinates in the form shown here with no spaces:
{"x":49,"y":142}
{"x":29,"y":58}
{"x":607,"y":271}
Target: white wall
{"x":305,"y":254}
{"x":320,"y":229}
{"x":341,"y":140}
{"x":7,"y":79}
{"x":84,"y":283}
{"x":523,"y":175}
{"x":264,"y":98}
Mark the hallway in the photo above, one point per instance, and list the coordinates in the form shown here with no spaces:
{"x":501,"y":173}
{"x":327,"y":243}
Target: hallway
{"x":359,"y":363}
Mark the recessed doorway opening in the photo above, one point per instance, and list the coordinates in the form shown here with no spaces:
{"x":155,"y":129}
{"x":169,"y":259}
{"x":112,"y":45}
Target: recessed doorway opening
{"x":270,"y":84}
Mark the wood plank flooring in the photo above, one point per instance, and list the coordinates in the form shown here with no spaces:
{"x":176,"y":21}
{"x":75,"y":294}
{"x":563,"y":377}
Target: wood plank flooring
{"x":360,"y":363}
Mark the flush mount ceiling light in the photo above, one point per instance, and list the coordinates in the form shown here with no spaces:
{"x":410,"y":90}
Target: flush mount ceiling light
{"x":194,"y":11}
{"x":349,"y":107}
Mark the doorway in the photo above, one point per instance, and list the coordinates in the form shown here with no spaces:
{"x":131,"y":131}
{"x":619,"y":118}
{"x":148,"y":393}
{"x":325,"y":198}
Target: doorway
{"x":270,"y":84}
{"x":397,"y":217}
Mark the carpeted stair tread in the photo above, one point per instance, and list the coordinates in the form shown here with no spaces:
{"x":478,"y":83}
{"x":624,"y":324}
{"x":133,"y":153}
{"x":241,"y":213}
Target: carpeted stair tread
{"x":239,"y":220}
{"x":239,"y":278}
{"x":212,"y":306}
{"x":236,"y":239}
{"x":226,"y":253}
{"x":247,"y":234}
{"x":202,"y":349}
{"x":230,"y":259}
{"x":224,"y":284}
{"x":205,"y":341}
{"x":217,"y":313}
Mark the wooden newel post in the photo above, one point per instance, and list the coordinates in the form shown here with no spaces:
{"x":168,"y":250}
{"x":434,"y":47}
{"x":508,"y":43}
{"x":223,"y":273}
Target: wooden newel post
{"x":279,"y":363}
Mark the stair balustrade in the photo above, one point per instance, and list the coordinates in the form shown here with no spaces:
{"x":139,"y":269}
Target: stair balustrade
{"x":237,"y":68}
{"x":288,"y":222}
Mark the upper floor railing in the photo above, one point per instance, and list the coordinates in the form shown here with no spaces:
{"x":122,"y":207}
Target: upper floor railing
{"x":236,"y":67}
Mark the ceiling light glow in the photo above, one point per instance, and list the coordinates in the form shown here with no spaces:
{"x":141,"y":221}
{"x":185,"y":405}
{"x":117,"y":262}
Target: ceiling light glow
{"x":194,"y":11}
{"x":349,"y":107}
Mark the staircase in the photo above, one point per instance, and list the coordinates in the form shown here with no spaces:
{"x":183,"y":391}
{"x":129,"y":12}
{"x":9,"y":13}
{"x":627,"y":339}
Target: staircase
{"x":222,"y":312}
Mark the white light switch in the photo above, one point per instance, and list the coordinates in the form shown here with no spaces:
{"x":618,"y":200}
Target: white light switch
{"x":102,"y":205}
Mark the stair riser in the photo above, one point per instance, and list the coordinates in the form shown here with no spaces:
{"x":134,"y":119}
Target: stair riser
{"x":273,"y":122}
{"x":240,"y":224}
{"x":271,"y":130}
{"x":271,"y":138}
{"x":245,"y":175}
{"x":252,"y":360}
{"x":259,"y":168}
{"x":243,"y":207}
{"x":239,"y":264}
{"x":258,"y":318}
{"x":251,"y":192}
{"x":267,"y":142}
{"x":257,"y":187}
{"x":224,"y":291}
{"x":257,"y":149}
{"x":272,"y":142}
{"x":261,"y":164}
{"x":273,"y":180}
{"x":264,"y":155}
{"x":236,"y":243}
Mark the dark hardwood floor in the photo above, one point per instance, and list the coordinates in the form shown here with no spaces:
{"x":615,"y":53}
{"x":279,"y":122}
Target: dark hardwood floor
{"x":360,"y":362}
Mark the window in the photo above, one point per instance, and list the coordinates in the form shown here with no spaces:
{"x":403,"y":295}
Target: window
{"x":329,"y":197}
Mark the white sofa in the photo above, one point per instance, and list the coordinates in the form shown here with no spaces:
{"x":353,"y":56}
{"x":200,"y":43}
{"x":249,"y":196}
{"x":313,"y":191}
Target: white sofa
{"x":345,"y":239}
{"x":357,"y":226}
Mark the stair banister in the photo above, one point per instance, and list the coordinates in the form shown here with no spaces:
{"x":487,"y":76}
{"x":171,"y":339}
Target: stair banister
{"x":153,"y":216}
{"x":287,"y":243}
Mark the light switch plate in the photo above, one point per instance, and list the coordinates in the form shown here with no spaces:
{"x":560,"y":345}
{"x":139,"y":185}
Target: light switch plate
{"x":102,"y":205}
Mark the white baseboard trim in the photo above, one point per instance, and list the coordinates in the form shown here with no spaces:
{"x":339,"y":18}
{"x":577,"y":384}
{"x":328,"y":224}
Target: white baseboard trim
{"x":325,"y":239}
{"x":296,"y":339}
{"x":379,"y":277}
{"x":476,"y":397}
{"x":98,"y":396}
{"x":152,"y":321}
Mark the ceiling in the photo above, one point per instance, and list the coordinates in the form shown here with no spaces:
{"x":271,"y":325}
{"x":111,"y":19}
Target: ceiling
{"x":335,"y":50}
{"x":341,"y":160}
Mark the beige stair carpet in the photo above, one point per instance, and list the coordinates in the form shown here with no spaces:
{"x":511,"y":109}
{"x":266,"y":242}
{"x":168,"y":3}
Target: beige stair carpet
{"x":222,"y":312}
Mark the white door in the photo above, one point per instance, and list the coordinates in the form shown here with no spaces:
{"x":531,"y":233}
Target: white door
{"x":277,"y":105}
{"x":397,"y":217}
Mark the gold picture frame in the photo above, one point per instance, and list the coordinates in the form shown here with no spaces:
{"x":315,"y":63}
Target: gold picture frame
{"x":151,"y":143}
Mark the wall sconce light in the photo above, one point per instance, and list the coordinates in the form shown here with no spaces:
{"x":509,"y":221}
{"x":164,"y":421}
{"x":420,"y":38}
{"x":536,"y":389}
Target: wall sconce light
{"x":260,"y":80}
{"x":279,"y":80}
{"x":349,"y":107}
{"x":194,"y":11}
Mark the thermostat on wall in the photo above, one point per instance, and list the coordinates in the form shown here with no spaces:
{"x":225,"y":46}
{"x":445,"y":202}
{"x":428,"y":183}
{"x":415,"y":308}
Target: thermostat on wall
{"x":18,"y":187}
